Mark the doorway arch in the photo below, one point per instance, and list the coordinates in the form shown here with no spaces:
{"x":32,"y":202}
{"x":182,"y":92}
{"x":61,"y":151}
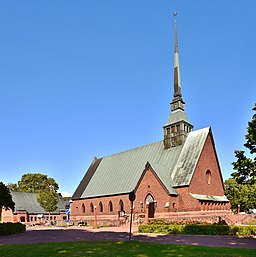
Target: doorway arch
{"x":150,"y":203}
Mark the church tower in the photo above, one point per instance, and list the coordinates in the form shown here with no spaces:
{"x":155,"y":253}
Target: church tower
{"x":178,"y":126}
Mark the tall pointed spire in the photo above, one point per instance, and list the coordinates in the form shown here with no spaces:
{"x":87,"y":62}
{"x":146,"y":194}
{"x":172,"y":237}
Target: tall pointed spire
{"x":177,"y":85}
{"x":177,"y":127}
{"x":177,"y":100}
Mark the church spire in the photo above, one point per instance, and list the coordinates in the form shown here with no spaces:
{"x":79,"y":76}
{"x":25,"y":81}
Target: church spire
{"x":178,"y":126}
{"x":177,"y":101}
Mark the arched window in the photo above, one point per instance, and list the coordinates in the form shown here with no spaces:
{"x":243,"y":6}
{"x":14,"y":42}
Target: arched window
{"x":110,"y":204}
{"x":121,"y":205}
{"x":92,"y":207}
{"x":101,"y":207}
{"x":208,"y":177}
{"x":83,"y":208}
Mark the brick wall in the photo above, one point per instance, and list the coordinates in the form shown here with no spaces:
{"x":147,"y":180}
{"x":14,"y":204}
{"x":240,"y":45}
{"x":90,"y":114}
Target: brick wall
{"x":7,"y":216}
{"x":28,"y":218}
{"x":149,"y":184}
{"x":199,"y":185}
{"x":208,"y":162}
{"x":84,"y":208}
{"x":165,"y":205}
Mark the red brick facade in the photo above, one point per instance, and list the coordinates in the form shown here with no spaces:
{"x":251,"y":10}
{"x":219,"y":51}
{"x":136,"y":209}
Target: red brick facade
{"x":30,"y":218}
{"x":206,"y":180}
{"x":207,"y":163}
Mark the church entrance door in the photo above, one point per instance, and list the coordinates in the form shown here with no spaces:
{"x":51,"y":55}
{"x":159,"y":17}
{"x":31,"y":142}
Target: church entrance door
{"x":151,"y":210}
{"x":150,"y":205}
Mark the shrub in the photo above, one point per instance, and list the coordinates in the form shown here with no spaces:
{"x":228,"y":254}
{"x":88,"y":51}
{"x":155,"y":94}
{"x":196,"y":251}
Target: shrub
{"x":198,"y":229}
{"x":157,"y":222}
{"x":11,"y":228}
{"x":252,"y":222}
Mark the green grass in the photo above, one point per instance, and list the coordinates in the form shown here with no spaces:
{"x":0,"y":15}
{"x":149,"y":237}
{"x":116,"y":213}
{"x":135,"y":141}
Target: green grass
{"x":118,"y":249}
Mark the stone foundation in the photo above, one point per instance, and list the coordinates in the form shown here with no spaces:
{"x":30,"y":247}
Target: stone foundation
{"x":211,"y":217}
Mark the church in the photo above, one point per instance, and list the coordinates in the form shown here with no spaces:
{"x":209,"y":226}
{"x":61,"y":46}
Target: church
{"x":176,"y":176}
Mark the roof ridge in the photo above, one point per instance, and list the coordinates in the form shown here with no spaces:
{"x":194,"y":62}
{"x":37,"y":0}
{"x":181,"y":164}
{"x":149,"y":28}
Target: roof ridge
{"x":146,"y":145}
{"x":132,"y":149}
{"x":23,"y":192}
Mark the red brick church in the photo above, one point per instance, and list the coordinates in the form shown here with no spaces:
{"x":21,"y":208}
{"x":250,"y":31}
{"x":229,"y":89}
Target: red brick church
{"x":175,"y":176}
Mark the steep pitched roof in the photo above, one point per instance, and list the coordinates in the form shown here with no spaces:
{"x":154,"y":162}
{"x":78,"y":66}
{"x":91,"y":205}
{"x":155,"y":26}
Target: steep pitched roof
{"x":28,"y":202}
{"x":86,"y":179}
{"x":120,"y":173}
{"x":191,"y":151}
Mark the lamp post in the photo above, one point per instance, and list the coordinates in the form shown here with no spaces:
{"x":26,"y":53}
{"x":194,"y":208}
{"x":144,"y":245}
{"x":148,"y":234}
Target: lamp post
{"x":132,"y":198}
{"x":95,"y":216}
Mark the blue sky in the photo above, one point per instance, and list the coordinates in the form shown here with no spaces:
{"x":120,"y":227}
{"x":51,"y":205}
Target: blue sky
{"x":91,"y":78}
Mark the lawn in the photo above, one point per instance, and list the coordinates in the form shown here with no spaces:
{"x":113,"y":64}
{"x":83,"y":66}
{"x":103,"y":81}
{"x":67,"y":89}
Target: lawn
{"x":118,"y":249}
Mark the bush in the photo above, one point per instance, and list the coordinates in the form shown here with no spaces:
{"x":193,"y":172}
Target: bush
{"x":252,"y":222}
{"x":198,"y":229}
{"x":158,"y":222}
{"x":11,"y":228}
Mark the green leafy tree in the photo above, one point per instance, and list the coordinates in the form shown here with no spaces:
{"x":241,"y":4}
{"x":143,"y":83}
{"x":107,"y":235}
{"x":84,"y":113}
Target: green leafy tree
{"x":240,"y":194}
{"x":48,"y":200}
{"x":232,"y":192}
{"x":251,"y":134}
{"x":13,"y":187}
{"x":245,"y":169}
{"x":246,"y":166}
{"x":5,"y":198}
{"x":36,"y":182}
{"x":241,"y":188}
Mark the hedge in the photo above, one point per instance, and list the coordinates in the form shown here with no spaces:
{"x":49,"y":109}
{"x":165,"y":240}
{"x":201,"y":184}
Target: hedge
{"x":198,"y":229}
{"x":11,"y":228}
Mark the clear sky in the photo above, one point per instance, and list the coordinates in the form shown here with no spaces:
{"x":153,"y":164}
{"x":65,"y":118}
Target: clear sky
{"x":92,"y":78}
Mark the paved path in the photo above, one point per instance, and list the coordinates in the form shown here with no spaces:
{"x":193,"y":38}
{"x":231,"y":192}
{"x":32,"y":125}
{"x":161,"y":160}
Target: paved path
{"x":36,"y":235}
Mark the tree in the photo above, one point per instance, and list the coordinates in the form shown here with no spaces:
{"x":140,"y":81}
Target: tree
{"x":36,"y":182}
{"x":13,"y":187}
{"x":5,"y":199}
{"x":48,"y":200}
{"x":241,"y":188}
{"x":240,"y":194}
{"x":245,"y":166}
{"x":251,"y":134}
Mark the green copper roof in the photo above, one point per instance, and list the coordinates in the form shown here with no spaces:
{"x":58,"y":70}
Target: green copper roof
{"x":120,"y":173}
{"x":176,"y":117}
{"x":214,"y":198}
{"x":28,"y":202}
{"x":189,"y":156}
